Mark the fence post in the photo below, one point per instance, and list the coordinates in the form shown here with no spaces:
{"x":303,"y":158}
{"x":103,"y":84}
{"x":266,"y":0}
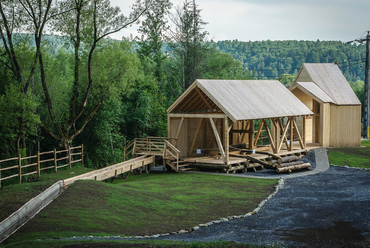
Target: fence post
{"x":20,"y":168}
{"x":69,"y":157}
{"x":82,"y":155}
{"x":38,"y":163}
{"x":55,"y":161}
{"x":0,"y":175}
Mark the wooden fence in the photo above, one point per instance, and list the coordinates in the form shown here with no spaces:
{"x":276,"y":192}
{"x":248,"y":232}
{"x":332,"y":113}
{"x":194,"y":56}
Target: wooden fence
{"x":26,"y":166}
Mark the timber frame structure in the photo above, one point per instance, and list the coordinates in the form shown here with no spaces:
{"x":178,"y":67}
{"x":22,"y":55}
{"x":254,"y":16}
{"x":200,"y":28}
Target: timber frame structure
{"x":212,"y":118}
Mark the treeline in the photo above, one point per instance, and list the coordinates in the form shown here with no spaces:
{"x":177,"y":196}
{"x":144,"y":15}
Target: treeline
{"x":83,"y":87}
{"x":271,"y":59}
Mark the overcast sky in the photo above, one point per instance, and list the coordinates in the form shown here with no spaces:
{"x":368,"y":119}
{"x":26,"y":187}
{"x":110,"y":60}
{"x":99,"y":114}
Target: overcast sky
{"x":253,"y":20}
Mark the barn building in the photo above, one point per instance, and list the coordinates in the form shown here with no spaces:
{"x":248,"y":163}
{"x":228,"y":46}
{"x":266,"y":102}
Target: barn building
{"x":213,"y":116}
{"x":336,"y":120}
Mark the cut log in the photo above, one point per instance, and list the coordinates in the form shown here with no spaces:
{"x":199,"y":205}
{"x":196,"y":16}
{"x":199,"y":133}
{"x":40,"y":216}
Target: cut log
{"x":289,"y":164}
{"x":236,"y":168}
{"x":294,"y":167}
{"x":212,"y":166}
{"x":274,"y":156}
{"x":288,"y":159}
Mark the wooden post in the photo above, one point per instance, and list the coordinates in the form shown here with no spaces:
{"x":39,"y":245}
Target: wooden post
{"x":82,"y":155}
{"x":55,"y":161}
{"x":304,"y":130}
{"x":291,"y":133}
{"x":19,"y":168}
{"x":134,"y":149}
{"x":69,"y":156}
{"x":38,"y":164}
{"x":164,"y":156}
{"x":179,"y":131}
{"x":226,"y":139}
{"x":196,"y":136}
{"x":217,"y":136}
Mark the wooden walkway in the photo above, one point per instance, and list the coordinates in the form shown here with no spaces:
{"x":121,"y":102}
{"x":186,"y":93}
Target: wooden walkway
{"x":114,"y":170}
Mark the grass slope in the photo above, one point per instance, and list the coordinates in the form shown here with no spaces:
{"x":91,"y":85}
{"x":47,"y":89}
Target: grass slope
{"x":351,"y":156}
{"x":143,"y":205}
{"x":14,"y":196}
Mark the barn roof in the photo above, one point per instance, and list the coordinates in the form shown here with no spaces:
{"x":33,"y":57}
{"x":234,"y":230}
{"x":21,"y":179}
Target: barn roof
{"x":330,"y":79}
{"x":313,"y":91}
{"x":240,"y":99}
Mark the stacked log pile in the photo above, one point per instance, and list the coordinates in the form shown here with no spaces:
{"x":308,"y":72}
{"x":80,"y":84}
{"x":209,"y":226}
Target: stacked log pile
{"x":289,"y":164}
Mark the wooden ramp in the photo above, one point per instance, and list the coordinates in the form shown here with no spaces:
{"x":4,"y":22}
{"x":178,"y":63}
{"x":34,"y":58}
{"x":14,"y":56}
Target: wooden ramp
{"x":113,"y":170}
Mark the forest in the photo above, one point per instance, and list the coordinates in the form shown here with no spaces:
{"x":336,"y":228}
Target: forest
{"x":64,"y":82}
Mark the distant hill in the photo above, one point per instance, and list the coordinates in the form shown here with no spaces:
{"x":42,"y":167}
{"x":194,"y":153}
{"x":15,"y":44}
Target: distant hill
{"x":270,"y":59}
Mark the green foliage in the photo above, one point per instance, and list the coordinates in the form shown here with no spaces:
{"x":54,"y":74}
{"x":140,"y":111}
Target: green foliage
{"x":270,"y":59}
{"x":14,"y":107}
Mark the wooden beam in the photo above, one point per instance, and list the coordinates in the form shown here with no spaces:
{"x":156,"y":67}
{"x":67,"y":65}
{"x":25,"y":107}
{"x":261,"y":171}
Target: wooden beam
{"x":283,"y":137}
{"x":212,"y":138}
{"x":179,"y":131}
{"x":226,"y":139}
{"x":251,"y":134}
{"x":291,"y":134}
{"x":298,"y":134}
{"x":200,"y":115}
{"x":269,"y":135}
{"x":196,"y":136}
{"x":218,"y":140}
{"x":203,"y":98}
{"x":258,"y":132}
{"x":304,"y":130}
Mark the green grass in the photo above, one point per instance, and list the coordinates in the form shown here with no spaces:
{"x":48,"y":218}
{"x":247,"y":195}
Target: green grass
{"x":351,"y":156}
{"x":16,"y":195}
{"x":144,"y":205}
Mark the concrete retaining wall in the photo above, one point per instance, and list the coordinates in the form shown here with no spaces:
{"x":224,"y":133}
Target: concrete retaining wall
{"x":28,"y":210}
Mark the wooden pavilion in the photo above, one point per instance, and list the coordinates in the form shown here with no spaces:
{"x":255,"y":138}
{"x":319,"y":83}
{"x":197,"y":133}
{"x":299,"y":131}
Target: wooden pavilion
{"x":214,"y":116}
{"x":337,"y":111}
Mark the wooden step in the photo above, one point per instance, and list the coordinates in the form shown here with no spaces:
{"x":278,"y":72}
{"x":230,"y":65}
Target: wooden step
{"x":186,"y":169}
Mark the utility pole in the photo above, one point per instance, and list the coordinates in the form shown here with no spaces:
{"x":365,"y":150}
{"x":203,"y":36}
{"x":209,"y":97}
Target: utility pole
{"x":366,"y":113}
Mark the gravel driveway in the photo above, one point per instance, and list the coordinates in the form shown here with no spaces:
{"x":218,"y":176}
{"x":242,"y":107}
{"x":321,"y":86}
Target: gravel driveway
{"x":327,"y":209}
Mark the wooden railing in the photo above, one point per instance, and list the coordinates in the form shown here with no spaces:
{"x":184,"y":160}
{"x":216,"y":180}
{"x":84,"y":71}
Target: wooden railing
{"x":19,"y":167}
{"x":158,"y":146}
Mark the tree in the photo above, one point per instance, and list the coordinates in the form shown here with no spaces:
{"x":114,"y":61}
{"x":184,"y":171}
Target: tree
{"x":152,"y":30}
{"x":188,"y":43}
{"x":86,"y":23}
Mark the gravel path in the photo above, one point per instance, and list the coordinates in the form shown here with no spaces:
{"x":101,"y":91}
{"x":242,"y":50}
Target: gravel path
{"x":328,"y":209}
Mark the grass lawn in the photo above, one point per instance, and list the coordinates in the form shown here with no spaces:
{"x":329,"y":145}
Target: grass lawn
{"x":14,"y":196}
{"x":351,"y":156}
{"x":143,"y":205}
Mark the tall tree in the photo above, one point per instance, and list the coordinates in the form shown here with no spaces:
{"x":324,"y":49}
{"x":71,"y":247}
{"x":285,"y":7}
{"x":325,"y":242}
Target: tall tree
{"x":89,"y":22}
{"x":152,"y":31}
{"x":188,"y":42}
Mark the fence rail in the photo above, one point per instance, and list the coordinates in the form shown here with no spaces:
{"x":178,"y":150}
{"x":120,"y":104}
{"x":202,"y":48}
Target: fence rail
{"x":31,"y":165}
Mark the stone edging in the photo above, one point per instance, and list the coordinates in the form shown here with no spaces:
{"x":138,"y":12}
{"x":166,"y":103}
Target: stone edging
{"x":195,"y":228}
{"x":346,"y":166}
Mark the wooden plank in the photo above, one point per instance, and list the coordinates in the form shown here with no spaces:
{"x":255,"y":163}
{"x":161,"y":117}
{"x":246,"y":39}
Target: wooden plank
{"x":258,"y":133}
{"x":218,"y":140}
{"x":272,"y":143}
{"x":179,"y":131}
{"x":200,"y":124}
{"x":226,"y":139}
{"x":283,"y":138}
{"x":200,"y":115}
{"x":296,"y":130}
{"x":203,"y":98}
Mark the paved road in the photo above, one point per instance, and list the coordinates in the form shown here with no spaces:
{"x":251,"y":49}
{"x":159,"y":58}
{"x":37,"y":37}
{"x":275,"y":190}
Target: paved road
{"x":326,"y":209}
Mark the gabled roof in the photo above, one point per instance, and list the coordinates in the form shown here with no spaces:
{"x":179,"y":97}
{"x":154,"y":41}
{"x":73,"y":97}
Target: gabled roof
{"x":313,"y":91}
{"x":240,"y":99}
{"x":330,"y":79}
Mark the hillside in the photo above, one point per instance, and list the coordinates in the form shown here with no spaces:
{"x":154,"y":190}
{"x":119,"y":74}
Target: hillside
{"x":270,"y":59}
